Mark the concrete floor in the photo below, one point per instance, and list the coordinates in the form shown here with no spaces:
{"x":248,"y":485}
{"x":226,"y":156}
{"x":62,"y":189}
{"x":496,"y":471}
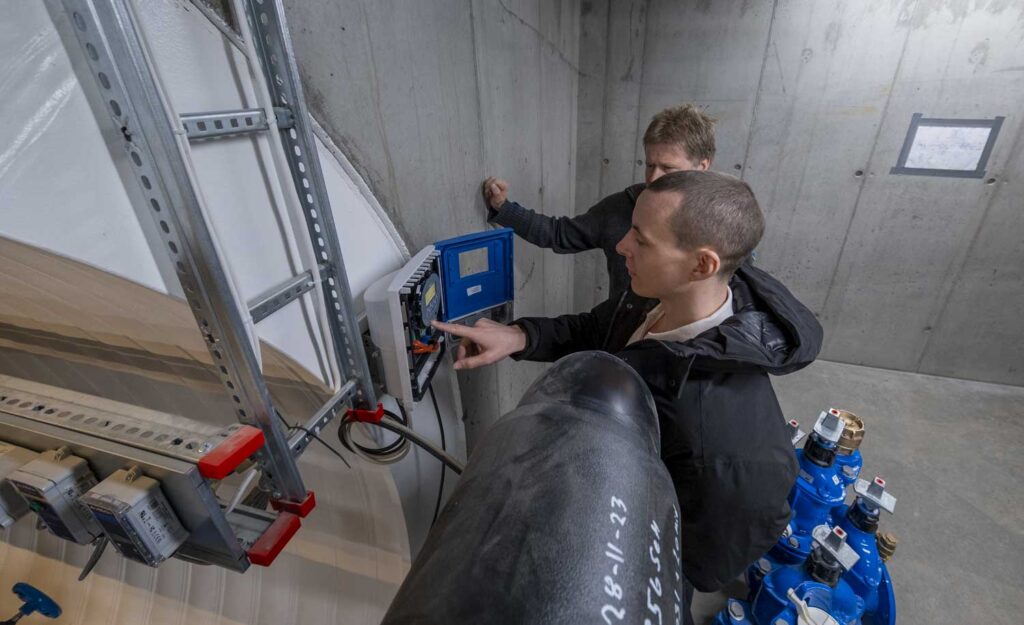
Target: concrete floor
{"x":951,"y":451}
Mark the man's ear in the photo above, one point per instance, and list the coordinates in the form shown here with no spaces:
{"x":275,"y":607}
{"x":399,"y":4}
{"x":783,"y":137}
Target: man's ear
{"x":704,"y":164}
{"x":708,"y":264}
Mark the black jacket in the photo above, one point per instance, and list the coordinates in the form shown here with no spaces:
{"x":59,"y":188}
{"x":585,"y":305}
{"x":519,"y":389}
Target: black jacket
{"x":601,"y":227}
{"x":723,"y":434}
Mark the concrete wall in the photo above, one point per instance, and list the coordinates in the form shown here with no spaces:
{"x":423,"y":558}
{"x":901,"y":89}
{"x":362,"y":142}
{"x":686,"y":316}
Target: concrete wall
{"x":814,"y":99}
{"x":426,"y":99}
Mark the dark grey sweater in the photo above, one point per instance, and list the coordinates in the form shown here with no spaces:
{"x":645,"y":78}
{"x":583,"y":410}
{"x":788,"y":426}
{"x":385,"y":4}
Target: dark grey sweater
{"x":601,"y":227}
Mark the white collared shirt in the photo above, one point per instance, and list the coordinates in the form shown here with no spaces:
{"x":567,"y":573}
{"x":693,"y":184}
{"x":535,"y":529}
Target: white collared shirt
{"x":684,"y":333}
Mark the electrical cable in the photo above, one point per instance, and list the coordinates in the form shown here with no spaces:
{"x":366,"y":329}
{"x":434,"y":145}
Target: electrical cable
{"x":292,"y":428}
{"x":417,"y":438}
{"x":388,"y":454}
{"x":391,"y":422}
{"x":324,"y":443}
{"x":440,"y":427}
{"x":405,"y":415}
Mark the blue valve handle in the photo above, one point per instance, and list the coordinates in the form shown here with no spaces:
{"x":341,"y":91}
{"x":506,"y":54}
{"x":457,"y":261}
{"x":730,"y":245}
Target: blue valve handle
{"x":34,"y":600}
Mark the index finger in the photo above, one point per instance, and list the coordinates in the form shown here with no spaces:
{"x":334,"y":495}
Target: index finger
{"x":454,"y":328}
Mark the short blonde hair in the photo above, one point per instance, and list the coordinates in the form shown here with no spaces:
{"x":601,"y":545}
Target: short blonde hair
{"x":686,"y":126}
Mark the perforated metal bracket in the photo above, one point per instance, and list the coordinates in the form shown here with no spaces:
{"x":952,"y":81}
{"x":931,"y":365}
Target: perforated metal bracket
{"x":119,"y":61}
{"x":223,"y":123}
{"x":277,"y":297}
{"x":304,"y":434}
{"x":269,"y":33}
{"x":212,"y":539}
{"x":183,"y":438}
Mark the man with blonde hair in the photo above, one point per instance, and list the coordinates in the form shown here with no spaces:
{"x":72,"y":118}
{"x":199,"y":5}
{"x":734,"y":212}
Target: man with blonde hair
{"x":680,"y":138}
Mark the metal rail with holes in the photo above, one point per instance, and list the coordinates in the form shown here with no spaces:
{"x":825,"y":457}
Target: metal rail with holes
{"x":111,"y":436}
{"x":265,"y":22}
{"x":157,"y":141}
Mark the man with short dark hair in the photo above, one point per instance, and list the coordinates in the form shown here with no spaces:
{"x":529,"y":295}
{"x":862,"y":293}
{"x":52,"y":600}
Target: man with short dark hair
{"x":704,"y":328}
{"x":680,"y":138}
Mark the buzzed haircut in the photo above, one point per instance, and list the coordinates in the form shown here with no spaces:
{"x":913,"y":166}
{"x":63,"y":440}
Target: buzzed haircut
{"x":715,"y":210}
{"x":687,"y":126}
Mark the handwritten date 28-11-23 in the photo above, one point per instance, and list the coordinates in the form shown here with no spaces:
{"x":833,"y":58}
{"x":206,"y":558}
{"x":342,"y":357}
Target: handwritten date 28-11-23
{"x":613,"y":611}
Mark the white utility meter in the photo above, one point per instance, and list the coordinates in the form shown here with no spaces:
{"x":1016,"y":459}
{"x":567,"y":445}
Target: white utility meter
{"x":12,"y":505}
{"x":136,"y":517}
{"x":52,"y":485}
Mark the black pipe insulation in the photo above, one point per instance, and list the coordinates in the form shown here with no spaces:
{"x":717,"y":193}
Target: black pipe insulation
{"x":564,"y":513}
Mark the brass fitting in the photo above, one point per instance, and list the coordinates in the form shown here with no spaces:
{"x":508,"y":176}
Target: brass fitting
{"x":853,"y":433}
{"x":886,"y":545}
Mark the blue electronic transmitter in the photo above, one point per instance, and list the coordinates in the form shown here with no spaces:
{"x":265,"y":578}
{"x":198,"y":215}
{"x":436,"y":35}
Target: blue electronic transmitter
{"x":477,"y":275}
{"x":458,"y":280}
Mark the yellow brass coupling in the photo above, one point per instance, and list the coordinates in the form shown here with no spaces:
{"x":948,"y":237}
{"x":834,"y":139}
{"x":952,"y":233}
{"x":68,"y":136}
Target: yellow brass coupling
{"x":853,"y":433}
{"x":886,"y":545}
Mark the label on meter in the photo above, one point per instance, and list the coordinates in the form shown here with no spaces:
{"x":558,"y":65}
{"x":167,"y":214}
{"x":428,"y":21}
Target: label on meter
{"x":137,"y":518}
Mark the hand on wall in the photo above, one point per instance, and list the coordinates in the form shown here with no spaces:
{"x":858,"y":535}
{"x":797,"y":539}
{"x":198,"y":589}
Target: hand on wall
{"x":495,"y":192}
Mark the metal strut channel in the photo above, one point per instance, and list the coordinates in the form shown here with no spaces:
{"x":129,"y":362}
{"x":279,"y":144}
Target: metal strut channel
{"x":220,"y":124}
{"x":275,"y":298}
{"x":223,"y":123}
{"x":273,"y":44}
{"x":118,"y":59}
{"x":304,"y":434}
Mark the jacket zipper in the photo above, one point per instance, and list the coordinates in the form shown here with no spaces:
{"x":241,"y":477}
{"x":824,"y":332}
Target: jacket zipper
{"x":611,"y":325}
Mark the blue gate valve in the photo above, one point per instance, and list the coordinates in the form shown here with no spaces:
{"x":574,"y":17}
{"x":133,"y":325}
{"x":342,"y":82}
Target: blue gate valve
{"x":818,"y":489}
{"x":33,"y":600}
{"x":809,"y":576}
{"x":814,"y":593}
{"x":870,"y":578}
